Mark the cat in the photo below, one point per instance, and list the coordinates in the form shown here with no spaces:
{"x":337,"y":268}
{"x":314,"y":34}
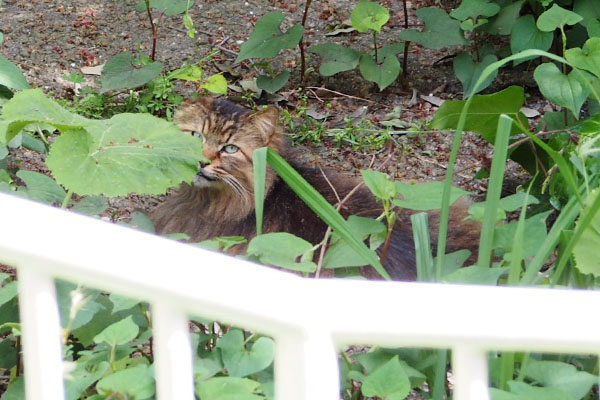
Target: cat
{"x":220,"y":200}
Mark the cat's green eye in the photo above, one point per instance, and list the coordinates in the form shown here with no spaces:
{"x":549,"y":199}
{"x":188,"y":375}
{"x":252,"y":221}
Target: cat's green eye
{"x":230,"y":148}
{"x":198,"y":135}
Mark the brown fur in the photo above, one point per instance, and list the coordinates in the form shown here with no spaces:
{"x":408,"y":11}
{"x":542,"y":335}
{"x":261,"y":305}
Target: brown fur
{"x":220,"y":201}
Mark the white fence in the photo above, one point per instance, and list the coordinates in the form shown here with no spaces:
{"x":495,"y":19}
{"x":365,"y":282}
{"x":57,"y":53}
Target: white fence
{"x":309,"y":319}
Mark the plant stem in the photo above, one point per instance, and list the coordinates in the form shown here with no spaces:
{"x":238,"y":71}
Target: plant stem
{"x":301,"y":44}
{"x":67,"y":199}
{"x":375,"y":46}
{"x":406,"y":44}
{"x":154,"y":30}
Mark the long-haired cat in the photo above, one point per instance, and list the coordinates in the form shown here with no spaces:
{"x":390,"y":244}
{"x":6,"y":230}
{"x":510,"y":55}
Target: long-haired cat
{"x":220,"y":200}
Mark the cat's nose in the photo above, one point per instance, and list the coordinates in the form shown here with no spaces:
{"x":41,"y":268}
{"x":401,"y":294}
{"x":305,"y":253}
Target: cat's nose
{"x":204,"y":163}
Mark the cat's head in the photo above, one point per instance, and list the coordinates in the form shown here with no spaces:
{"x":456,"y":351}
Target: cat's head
{"x":230,"y":134}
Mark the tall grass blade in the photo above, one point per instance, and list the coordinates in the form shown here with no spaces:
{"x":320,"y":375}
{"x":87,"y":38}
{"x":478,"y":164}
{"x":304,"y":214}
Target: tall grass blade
{"x":494,"y":191}
{"x":424,"y":259}
{"x":259,"y":160}
{"x":323,"y":209}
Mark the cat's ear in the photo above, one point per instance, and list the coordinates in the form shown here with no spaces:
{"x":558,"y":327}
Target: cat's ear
{"x":265,"y":122}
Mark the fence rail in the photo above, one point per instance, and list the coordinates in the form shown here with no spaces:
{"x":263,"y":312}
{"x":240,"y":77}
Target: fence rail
{"x":309,"y":319}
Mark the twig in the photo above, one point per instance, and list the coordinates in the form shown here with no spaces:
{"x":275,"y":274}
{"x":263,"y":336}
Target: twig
{"x":347,"y":95}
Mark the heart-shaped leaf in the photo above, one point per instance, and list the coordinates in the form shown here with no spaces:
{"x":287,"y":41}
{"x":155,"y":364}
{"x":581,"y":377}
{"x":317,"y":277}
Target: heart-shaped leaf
{"x":136,"y":383}
{"x":215,"y":84}
{"x":387,"y":382}
{"x":587,"y":58}
{"x":424,"y":196}
{"x":379,"y":184}
{"x":503,"y":22}
{"x":586,"y":246}
{"x":41,"y":187}
{"x":475,"y":8}
{"x":267,"y":40}
{"x":335,"y":58}
{"x":273,"y":84}
{"x":525,"y":35}
{"x":229,"y":388}
{"x":282,"y":249}
{"x":241,"y":361}
{"x":11,"y":76}
{"x":564,"y":90}
{"x":369,"y":15}
{"x":118,"y":333}
{"x":440,"y":30}
{"x":383,"y":74}
{"x":556,"y":17}
{"x":560,"y":375}
{"x":589,"y":10}
{"x":468,"y":72}
{"x":121,"y":73}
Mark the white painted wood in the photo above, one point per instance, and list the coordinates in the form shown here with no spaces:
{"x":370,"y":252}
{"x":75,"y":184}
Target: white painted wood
{"x":41,"y":336}
{"x":470,"y":374}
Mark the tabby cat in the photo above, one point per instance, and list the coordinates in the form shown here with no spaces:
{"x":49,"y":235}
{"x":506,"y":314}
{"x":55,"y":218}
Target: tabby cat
{"x":220,"y":200}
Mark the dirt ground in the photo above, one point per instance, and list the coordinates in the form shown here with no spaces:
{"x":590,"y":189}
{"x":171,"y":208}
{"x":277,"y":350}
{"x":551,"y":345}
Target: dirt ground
{"x":48,"y":39}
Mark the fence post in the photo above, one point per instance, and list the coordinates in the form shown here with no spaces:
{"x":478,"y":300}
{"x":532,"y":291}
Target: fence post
{"x":470,"y":372}
{"x":41,"y":333}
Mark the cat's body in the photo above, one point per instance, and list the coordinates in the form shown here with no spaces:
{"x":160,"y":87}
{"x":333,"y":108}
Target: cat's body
{"x":220,"y":201}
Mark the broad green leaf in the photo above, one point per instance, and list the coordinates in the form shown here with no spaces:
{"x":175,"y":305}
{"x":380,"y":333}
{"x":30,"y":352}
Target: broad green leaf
{"x":440,"y":30}
{"x":81,"y":301}
{"x":556,"y":17}
{"x":340,"y":254}
{"x":475,"y":275}
{"x":272,"y":85}
{"x":503,"y":22}
{"x":483,"y":113}
{"x":136,"y":382}
{"x":11,"y":76}
{"x":562,"y":376}
{"x":74,"y":77}
{"x":382,"y":74}
{"x":534,"y":234}
{"x":424,"y":196}
{"x":453,"y":261}
{"x":335,"y":58}
{"x":120,"y":73}
{"x":229,"y":388}
{"x":41,"y":187}
{"x":192,"y":73}
{"x":243,"y":359}
{"x":389,"y":50}
{"x":533,"y":392}
{"x":508,"y":203}
{"x":118,"y":333}
{"x":379,"y":184}
{"x":281,"y":249}
{"x":316,"y":202}
{"x":168,"y":7}
{"x":216,"y":84}
{"x":16,"y":390}
{"x":369,"y":15}
{"x":3,"y":152}
{"x":589,"y":10}
{"x":526,"y":35}
{"x":568,"y":91}
{"x":378,"y":357}
{"x":127,"y":153}
{"x":586,"y":259}
{"x":475,"y":8}
{"x":267,"y":40}
{"x":205,"y":368}
{"x":387,"y":382}
{"x":587,"y":58}
{"x":91,"y":205}
{"x":32,"y":106}
{"x":79,"y":380}
{"x":121,"y":302}
{"x":468,"y":72}
{"x":8,"y":354}
{"x":8,"y":292}
{"x":593,"y":28}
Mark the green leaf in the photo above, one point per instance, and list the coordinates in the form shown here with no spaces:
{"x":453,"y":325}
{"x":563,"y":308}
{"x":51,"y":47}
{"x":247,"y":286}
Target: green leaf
{"x":121,"y":303}
{"x":556,"y":17}
{"x":369,"y":15}
{"x":229,"y":388}
{"x":41,"y":187}
{"x":91,"y":205}
{"x":585,"y":248}
{"x":8,"y":292}
{"x":16,"y":390}
{"x":568,"y":91}
{"x":241,"y":360}
{"x":267,"y":40}
{"x":533,"y":392}
{"x":503,"y":22}
{"x":74,"y":77}
{"x":192,"y":73}
{"x":127,"y":153}
{"x":587,"y":58}
{"x":79,"y":380}
{"x":379,"y":184}
{"x":3,"y":152}
{"x":483,"y":113}
{"x":383,"y":75}
{"x":440,"y":30}
{"x":273,"y":84}
{"x":121,"y":73}
{"x":136,"y":382}
{"x":475,"y":8}
{"x":424,"y":196}
{"x":475,"y":275}
{"x":168,"y":7}
{"x":525,"y":35}
{"x":561,"y":376}
{"x":535,"y":233}
{"x":589,"y":10}
{"x":85,"y":308}
{"x":216,"y":84}
{"x":281,"y":249}
{"x":335,"y":58}
{"x":387,"y":382}
{"x":11,"y":76}
{"x":121,"y":332}
{"x":468,"y":72}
